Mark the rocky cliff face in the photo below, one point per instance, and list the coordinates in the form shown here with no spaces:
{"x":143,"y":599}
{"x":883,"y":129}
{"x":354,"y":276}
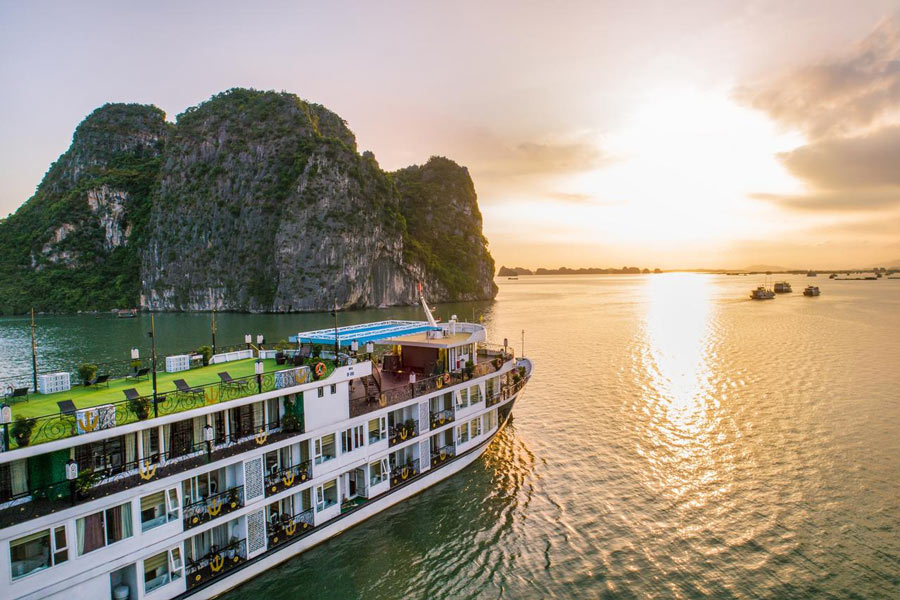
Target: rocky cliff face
{"x":252,"y":201}
{"x":73,"y":245}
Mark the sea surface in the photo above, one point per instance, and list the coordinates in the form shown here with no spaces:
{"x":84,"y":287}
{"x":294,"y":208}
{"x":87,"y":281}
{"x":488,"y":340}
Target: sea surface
{"x":677,"y":440}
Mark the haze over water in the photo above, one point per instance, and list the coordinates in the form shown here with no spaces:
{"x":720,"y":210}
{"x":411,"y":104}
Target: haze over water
{"x":677,"y":440}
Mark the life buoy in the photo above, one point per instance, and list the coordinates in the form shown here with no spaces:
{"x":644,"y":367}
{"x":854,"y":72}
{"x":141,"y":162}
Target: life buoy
{"x":447,"y":378}
{"x":320,"y":369}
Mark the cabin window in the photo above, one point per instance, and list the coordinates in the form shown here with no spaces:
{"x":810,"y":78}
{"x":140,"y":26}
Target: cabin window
{"x":462,"y":433}
{"x":377,"y":429}
{"x":181,"y":438}
{"x":323,"y":448}
{"x":38,"y":551}
{"x":352,"y":439}
{"x":162,"y":568}
{"x":474,"y":394}
{"x":13,"y":479}
{"x":326,"y":495}
{"x":462,"y":398}
{"x":159,"y":508}
{"x":108,"y":454}
{"x":490,"y":420}
{"x":198,"y":487}
{"x":321,"y":392}
{"x":475,"y":427}
{"x":379,"y":471}
{"x":103,"y":528}
{"x":333,"y":389}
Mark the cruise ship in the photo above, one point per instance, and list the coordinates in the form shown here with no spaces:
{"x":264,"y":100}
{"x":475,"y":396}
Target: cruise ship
{"x":187,"y":483}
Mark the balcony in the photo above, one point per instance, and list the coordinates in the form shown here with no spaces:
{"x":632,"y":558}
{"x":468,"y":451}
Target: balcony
{"x":405,"y":472}
{"x":442,"y":454}
{"x":403,"y":431}
{"x":216,"y":563}
{"x":92,"y":484}
{"x":290,"y":528}
{"x":441,"y":418}
{"x":214,"y":506}
{"x":288,"y":477}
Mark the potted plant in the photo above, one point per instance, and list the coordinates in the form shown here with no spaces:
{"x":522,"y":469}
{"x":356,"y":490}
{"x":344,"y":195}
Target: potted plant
{"x":470,"y":369}
{"x":205,"y":352}
{"x":86,"y":480}
{"x":140,"y":407}
{"x":21,"y":430}
{"x":290,"y":423}
{"x":87,"y":372}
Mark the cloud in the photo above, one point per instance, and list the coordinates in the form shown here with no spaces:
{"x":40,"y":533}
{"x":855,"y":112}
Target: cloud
{"x":840,"y":96}
{"x":835,"y":201}
{"x":544,"y":159}
{"x":849,"y":163}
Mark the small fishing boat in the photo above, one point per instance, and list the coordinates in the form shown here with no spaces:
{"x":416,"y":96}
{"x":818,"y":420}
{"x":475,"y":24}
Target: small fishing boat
{"x":811,"y":290}
{"x":762,"y":293}
{"x":783,"y":287}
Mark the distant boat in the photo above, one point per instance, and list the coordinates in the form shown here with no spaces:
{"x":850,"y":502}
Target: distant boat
{"x":762,"y":293}
{"x":811,"y":274}
{"x":783,"y":287}
{"x":513,"y":278}
{"x":126,"y":313}
{"x":811,"y":290}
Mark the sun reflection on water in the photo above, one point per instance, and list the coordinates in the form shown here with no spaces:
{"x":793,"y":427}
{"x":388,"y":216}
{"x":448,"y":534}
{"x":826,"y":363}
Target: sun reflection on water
{"x":679,"y":425}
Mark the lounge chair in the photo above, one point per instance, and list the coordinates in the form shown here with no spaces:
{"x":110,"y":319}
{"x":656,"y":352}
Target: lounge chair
{"x":66,"y":407}
{"x":183,"y":388}
{"x":18,"y":393}
{"x":140,"y":374}
{"x":131,"y":394}
{"x":228,"y":381}
{"x":99,"y":380}
{"x":279,"y":358}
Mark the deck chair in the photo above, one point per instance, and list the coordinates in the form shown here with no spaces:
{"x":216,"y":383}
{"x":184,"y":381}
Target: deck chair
{"x":66,"y":407}
{"x":140,"y":374}
{"x":183,"y":388}
{"x":18,"y":393}
{"x":131,"y":394}
{"x":99,"y":380}
{"x":228,"y":381}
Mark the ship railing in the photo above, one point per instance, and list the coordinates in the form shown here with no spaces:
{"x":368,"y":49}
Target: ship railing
{"x":288,"y":528}
{"x":288,"y":477}
{"x":400,"y":474}
{"x":213,"y":506}
{"x":216,"y":562}
{"x":442,"y":417}
{"x":110,"y":415}
{"x":403,"y":431}
{"x":442,"y":454}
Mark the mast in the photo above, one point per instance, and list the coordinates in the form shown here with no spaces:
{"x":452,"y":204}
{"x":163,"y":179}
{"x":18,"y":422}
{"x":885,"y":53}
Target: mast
{"x":213,"y":327}
{"x":33,"y":353}
{"x":336,"y":343}
{"x":427,"y":310}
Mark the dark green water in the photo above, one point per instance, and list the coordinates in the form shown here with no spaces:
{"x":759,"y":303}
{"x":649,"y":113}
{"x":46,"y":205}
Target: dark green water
{"x":677,"y":441}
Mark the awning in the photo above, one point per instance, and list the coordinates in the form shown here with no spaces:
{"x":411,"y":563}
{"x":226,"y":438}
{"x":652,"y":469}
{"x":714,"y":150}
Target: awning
{"x":364,"y":332}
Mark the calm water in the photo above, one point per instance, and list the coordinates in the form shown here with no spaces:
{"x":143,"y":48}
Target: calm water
{"x":677,"y":441}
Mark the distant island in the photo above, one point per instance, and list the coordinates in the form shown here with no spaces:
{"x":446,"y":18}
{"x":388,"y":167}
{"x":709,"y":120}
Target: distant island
{"x":516,"y":271}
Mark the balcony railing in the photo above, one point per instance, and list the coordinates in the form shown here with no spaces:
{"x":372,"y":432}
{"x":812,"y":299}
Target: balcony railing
{"x":442,"y":454}
{"x":403,"y":473}
{"x":97,"y":483}
{"x":441,"y":418}
{"x":290,"y":528}
{"x":288,"y":477}
{"x":216,"y":563}
{"x":402,"y":432}
{"x":213,"y":507}
{"x":109,"y":415}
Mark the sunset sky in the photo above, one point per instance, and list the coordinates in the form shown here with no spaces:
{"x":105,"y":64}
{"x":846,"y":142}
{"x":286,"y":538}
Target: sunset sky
{"x":669,"y":134}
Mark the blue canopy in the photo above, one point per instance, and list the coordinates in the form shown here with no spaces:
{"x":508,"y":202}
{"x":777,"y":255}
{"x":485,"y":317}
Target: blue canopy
{"x":364,"y":332}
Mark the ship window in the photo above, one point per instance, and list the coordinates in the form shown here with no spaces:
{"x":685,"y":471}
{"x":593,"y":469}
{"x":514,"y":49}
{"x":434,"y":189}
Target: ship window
{"x":323,"y":448}
{"x":474,"y":394}
{"x":333,"y":389}
{"x":103,"y":528}
{"x":475,"y":427}
{"x":159,"y":508}
{"x":462,"y":433}
{"x":326,"y":495}
{"x":490,"y":420}
{"x":378,"y":471}
{"x":462,"y":400}
{"x":38,"y":551}
{"x":352,"y":439}
{"x":162,"y":568}
{"x":377,"y":429}
{"x":13,"y":479}
{"x":321,"y":392}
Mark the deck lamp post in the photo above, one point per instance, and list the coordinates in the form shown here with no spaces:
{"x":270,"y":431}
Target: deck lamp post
{"x":208,"y":438}
{"x":152,"y":334}
{"x":334,"y":312}
{"x":247,"y":339}
{"x":258,"y":366}
{"x":5,"y":418}
{"x":71,"y":477}
{"x":354,"y":346}
{"x":212,"y":327}
{"x":33,"y":353}
{"x":260,"y":340}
